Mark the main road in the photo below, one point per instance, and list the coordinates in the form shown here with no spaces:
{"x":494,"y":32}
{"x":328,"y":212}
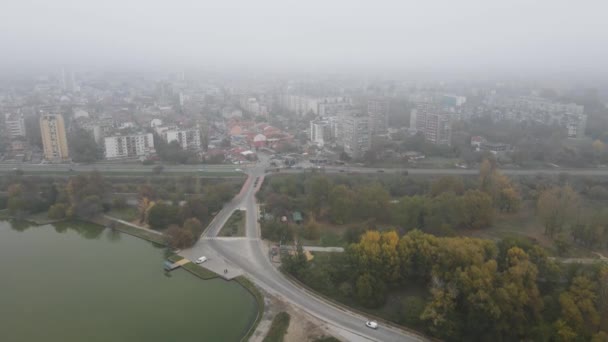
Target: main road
{"x":250,"y":256}
{"x":226,"y":170}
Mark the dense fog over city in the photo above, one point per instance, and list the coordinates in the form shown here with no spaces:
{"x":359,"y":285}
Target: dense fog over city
{"x":469,"y":35}
{"x":323,"y":171}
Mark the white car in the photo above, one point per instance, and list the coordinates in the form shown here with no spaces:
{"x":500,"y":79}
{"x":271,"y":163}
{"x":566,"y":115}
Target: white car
{"x":201,"y":260}
{"x":238,"y":170}
{"x":372,"y":324}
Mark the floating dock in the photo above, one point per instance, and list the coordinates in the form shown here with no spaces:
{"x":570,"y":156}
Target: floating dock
{"x":170,"y":266}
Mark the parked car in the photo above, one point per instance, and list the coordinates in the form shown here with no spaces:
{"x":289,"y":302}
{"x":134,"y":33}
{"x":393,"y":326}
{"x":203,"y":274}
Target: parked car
{"x":372,"y":324}
{"x":201,"y":260}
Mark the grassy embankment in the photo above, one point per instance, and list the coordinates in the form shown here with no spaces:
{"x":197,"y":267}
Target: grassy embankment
{"x":259,"y":298}
{"x":128,"y":213}
{"x":278,"y":329}
{"x":235,"y":226}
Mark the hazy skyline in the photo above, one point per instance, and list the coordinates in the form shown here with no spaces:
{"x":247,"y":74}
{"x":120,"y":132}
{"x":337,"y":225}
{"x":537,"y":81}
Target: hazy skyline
{"x":467,"y":35}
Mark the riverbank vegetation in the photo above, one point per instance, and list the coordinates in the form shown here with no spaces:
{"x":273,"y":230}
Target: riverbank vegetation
{"x":278,"y":328}
{"x":181,"y":216}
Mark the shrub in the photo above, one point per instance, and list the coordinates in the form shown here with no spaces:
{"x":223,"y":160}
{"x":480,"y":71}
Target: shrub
{"x":57,"y":211}
{"x":119,"y":203}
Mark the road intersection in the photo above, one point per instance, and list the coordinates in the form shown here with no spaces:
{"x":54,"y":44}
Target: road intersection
{"x":250,"y":256}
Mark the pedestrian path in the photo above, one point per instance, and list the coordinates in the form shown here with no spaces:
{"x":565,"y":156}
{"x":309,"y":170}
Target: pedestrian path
{"x":132,"y":225}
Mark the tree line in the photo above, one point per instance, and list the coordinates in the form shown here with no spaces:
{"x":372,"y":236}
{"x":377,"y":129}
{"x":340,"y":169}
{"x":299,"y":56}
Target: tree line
{"x":86,"y":196}
{"x":449,"y":204}
{"x":479,"y":290}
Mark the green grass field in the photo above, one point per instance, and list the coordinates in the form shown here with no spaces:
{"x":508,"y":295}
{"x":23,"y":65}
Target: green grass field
{"x":235,"y":226}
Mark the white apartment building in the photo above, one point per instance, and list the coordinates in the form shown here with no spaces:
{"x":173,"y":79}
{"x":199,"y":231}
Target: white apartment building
{"x":15,"y":125}
{"x":568,"y":115}
{"x":129,"y":146}
{"x":433,"y":123}
{"x":322,"y":106}
{"x":188,"y":139}
{"x":377,"y":109}
{"x":320,"y":131}
{"x":329,"y":106}
{"x":354,"y":135}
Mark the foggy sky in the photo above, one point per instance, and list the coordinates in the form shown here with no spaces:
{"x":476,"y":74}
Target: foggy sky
{"x":550,"y":35}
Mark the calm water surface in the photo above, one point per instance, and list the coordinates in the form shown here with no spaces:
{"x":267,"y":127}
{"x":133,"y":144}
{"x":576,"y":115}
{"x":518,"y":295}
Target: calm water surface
{"x":78,"y":282}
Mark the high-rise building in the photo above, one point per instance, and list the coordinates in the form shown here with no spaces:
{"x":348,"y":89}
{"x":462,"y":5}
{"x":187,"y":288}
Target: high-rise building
{"x":54,"y":139}
{"x":377,"y":109}
{"x":67,"y":80}
{"x":15,"y":125}
{"x":354,"y":135}
{"x":434,"y":124}
{"x":320,"y":131}
{"x":129,"y":146}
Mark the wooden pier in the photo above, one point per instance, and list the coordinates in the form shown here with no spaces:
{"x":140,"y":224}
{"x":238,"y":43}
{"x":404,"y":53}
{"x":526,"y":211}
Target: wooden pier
{"x":169,"y":266}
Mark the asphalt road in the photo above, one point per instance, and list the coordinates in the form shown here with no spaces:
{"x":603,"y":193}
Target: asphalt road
{"x":118,"y":168}
{"x":223,"y":170}
{"x":251,"y":257}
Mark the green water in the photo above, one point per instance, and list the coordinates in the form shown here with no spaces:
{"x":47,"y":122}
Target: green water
{"x":77,"y":282}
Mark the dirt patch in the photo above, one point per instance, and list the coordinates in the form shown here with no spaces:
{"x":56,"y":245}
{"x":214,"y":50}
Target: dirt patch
{"x":302,"y":326}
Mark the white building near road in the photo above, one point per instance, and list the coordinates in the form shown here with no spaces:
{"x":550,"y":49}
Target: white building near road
{"x":188,"y":139}
{"x":354,"y":135}
{"x":129,"y":146}
{"x":15,"y":125}
{"x":320,"y":131}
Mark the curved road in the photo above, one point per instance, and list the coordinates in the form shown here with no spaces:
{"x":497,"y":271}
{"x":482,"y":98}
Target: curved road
{"x":251,"y":257}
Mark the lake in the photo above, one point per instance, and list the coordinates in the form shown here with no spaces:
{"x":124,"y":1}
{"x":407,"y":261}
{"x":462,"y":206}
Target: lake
{"x":80,"y":282}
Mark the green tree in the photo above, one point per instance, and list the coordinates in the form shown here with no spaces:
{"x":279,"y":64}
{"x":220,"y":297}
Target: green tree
{"x":372,"y":201}
{"x":318,"y":197}
{"x":57,"y":211}
{"x":557,"y":207}
{"x":178,"y":238}
{"x":477,"y":210}
{"x":311,"y":231}
{"x":370,"y":291}
{"x":579,"y":306}
{"x":418,"y":252}
{"x":447,"y":184}
{"x":518,"y":297}
{"x":194,"y":226}
{"x":295,"y":263}
{"x":83,"y":148}
{"x":341,"y":204}
{"x":161,"y":215}
{"x":411,"y":212}
{"x":411,"y":309}
{"x":194,"y":207}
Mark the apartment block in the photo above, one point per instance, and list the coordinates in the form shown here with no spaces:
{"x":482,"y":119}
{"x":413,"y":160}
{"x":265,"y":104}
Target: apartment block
{"x":54,"y":138}
{"x":129,"y":146}
{"x":377,"y":109}
{"x":354,"y":135}
{"x":434,"y":124}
